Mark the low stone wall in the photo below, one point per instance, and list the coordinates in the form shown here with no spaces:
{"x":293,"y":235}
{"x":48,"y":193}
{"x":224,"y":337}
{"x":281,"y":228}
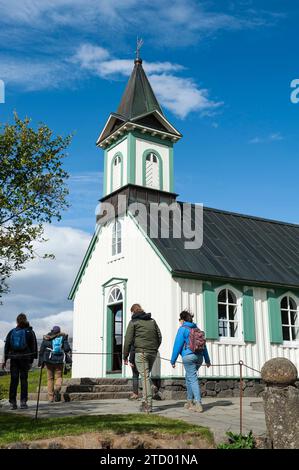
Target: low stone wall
{"x":218,"y":388}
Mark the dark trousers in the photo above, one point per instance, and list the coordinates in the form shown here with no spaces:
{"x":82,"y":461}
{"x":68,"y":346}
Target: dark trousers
{"x":135,"y":380}
{"x":19,"y":368}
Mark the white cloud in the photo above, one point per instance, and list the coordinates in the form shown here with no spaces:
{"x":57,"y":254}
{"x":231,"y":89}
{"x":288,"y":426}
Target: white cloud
{"x":41,"y":290}
{"x":95,"y":59}
{"x":275,"y":137}
{"x":159,"y":20}
{"x":180,"y":95}
{"x":35,"y":74}
{"x":42,"y":325}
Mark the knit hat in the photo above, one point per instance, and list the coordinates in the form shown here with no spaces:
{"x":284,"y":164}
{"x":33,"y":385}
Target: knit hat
{"x":56,"y":329}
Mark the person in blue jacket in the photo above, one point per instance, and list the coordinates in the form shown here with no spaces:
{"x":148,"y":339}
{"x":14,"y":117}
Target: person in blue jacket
{"x":192,"y":361}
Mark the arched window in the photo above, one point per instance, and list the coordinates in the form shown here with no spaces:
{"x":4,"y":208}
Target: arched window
{"x":116,"y":173}
{"x":115,"y":296}
{"x":152,"y":172}
{"x":116,"y":238}
{"x":228,"y":322}
{"x":289,"y":319}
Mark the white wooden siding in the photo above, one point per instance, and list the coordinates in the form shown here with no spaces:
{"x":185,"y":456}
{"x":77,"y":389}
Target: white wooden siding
{"x":151,"y":285}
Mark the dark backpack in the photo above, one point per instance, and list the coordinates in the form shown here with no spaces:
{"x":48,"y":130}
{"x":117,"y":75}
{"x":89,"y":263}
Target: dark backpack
{"x":18,"y":341}
{"x":197,"y":340}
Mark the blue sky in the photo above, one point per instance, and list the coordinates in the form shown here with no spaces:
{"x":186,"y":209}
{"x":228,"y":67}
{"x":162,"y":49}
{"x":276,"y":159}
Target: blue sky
{"x":221,"y":70}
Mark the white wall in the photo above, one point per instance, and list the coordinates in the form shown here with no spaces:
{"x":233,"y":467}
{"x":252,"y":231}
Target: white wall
{"x":123,"y":148}
{"x":163,"y":150}
{"x":149,"y":284}
{"x":188,"y":294}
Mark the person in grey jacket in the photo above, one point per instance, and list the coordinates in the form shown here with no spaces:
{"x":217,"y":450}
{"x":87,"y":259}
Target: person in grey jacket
{"x":52,"y":354}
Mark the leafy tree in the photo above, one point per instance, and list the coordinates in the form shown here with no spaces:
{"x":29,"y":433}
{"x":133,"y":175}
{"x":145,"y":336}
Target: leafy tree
{"x":32,"y":191}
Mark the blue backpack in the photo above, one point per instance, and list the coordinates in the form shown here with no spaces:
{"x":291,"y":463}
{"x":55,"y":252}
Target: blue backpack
{"x":18,"y":339}
{"x":57,"y":345}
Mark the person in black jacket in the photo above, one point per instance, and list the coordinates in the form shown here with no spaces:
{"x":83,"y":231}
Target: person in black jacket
{"x":52,"y":353}
{"x":135,"y":373}
{"x":21,"y":349}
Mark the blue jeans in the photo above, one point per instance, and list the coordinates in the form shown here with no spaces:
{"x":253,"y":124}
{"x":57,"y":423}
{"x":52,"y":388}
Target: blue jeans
{"x":192,"y":363}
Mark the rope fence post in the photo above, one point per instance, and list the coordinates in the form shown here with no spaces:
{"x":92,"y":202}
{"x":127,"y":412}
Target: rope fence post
{"x":241,"y":363}
{"x":38,"y":394}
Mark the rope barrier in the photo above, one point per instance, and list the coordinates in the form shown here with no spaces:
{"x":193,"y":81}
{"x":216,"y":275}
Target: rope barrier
{"x":10,"y":356}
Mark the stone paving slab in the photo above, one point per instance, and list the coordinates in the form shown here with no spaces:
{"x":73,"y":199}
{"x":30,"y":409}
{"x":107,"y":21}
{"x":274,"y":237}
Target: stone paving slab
{"x":220,"y":415}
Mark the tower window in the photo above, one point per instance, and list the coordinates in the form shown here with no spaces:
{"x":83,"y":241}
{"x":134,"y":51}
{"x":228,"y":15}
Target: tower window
{"x":152,"y":171}
{"x":116,"y":173}
{"x":228,"y":323}
{"x":116,"y":238}
{"x":289,"y":319}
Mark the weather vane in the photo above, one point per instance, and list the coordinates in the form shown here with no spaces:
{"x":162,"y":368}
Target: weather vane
{"x":139,"y":44}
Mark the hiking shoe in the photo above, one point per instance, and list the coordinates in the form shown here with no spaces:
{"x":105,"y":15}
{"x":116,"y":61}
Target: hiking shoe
{"x":133,"y":397}
{"x":23,"y":405}
{"x":197,"y":407}
{"x":145,"y":408}
{"x":188,"y":405}
{"x":13,"y":406}
{"x":57,"y":396}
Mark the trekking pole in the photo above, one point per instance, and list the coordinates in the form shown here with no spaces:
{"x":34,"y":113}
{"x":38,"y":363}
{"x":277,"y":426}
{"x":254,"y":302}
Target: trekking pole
{"x":241,"y":396}
{"x":145,"y":387}
{"x":38,"y":393}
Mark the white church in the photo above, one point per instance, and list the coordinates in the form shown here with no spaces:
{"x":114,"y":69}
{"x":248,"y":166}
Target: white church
{"x":242,"y":284}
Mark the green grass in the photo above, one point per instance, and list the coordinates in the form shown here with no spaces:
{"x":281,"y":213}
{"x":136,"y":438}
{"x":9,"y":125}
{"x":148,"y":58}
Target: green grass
{"x":33,"y":381}
{"x":20,"y":428}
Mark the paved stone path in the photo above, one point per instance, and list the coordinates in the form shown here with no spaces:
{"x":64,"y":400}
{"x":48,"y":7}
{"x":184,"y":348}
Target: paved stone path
{"x":220,"y":415}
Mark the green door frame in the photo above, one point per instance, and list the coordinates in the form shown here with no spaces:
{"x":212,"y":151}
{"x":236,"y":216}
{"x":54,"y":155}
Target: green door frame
{"x":107,"y":311}
{"x":109,"y":347}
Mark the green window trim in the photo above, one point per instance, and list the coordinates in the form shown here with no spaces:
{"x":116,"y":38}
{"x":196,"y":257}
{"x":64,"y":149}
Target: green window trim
{"x":105,"y":173}
{"x":249,"y":316}
{"x":109,"y":338}
{"x":274,"y":316}
{"x":145,"y":154}
{"x":131,"y":157}
{"x":210,"y":312}
{"x":171,"y":170}
{"x":118,"y":154}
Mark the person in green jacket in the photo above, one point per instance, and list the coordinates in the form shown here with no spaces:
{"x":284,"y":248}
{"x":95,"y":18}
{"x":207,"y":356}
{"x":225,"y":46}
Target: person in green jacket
{"x":144,"y":333}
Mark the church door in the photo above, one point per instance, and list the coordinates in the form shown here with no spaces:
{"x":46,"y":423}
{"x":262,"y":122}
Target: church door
{"x":115,"y":335}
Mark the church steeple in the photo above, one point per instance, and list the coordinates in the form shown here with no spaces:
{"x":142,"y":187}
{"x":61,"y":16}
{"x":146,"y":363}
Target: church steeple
{"x":138,"y":97}
{"x":138,"y":139}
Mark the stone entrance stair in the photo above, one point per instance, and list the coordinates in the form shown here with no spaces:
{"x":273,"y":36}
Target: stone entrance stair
{"x":90,"y":389}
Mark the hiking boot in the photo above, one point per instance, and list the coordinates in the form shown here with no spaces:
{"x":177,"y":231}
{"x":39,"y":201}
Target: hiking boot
{"x":13,"y":406}
{"x":189,"y":404}
{"x":57,"y":396}
{"x":133,"y":397}
{"x":197,"y":406}
{"x":23,"y":405}
{"x":144,"y":408}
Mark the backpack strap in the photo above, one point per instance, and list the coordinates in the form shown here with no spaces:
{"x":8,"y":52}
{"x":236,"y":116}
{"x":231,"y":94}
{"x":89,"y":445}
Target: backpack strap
{"x":188,"y":327}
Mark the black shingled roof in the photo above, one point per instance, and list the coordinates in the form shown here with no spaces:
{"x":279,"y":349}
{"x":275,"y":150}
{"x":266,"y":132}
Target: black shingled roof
{"x":240,"y":248}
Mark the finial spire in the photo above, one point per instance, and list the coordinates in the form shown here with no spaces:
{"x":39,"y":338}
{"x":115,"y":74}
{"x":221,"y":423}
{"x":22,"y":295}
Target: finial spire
{"x":139,"y":44}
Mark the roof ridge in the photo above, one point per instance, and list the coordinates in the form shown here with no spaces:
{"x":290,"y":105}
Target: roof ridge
{"x":246,"y":216}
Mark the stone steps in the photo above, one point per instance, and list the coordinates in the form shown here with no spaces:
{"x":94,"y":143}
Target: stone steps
{"x":95,"y":396}
{"x":91,"y":388}
{"x":82,"y":396}
{"x":104,"y":381}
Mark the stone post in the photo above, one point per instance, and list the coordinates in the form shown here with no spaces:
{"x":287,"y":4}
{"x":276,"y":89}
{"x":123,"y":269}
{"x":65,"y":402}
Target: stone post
{"x":281,"y":403}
